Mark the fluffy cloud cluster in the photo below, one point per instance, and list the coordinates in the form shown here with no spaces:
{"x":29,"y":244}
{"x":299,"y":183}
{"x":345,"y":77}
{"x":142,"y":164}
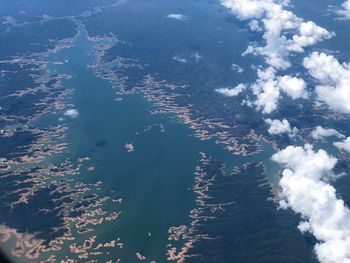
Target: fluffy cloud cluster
{"x":320,"y":133}
{"x":72,"y":113}
{"x":268,"y":87}
{"x":305,"y":189}
{"x":344,"y":145}
{"x":284,"y":32}
{"x":294,"y":87}
{"x":232,"y":92}
{"x":266,"y":91}
{"x":179,"y":17}
{"x":271,"y":17}
{"x":345,"y":12}
{"x":278,"y":127}
{"x":334,"y":80}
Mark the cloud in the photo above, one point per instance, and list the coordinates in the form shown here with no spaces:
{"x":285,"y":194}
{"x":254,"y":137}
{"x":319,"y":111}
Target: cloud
{"x":309,"y":35}
{"x":232,"y":92}
{"x":278,"y":127}
{"x":344,"y":145}
{"x":237,"y":68}
{"x":284,"y":33}
{"x":72,"y":113}
{"x":334,"y":80}
{"x":255,"y":26}
{"x":305,"y":188}
{"x":320,"y":133}
{"x":266,"y":91}
{"x":305,"y":182}
{"x":268,"y":88}
{"x":197,"y":56}
{"x":277,"y":23}
{"x":294,"y":87}
{"x":180,"y":59}
{"x":345,"y":12}
{"x":180,"y":17}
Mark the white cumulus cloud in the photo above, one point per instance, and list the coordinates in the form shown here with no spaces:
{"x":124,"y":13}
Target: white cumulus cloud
{"x":345,"y":11}
{"x":72,"y":113}
{"x":268,"y":88}
{"x":232,"y":92}
{"x":309,"y":35}
{"x":344,"y":145}
{"x":320,"y":133}
{"x":333,"y":78}
{"x":271,"y":17}
{"x":283,"y":33}
{"x":278,"y":127}
{"x":180,"y":59}
{"x":266,"y":91}
{"x":179,"y":17}
{"x":293,"y":86}
{"x":305,"y":189}
{"x":237,"y":68}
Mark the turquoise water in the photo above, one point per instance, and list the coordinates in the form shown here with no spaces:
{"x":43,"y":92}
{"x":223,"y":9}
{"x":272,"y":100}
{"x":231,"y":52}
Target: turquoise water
{"x":155,"y":180}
